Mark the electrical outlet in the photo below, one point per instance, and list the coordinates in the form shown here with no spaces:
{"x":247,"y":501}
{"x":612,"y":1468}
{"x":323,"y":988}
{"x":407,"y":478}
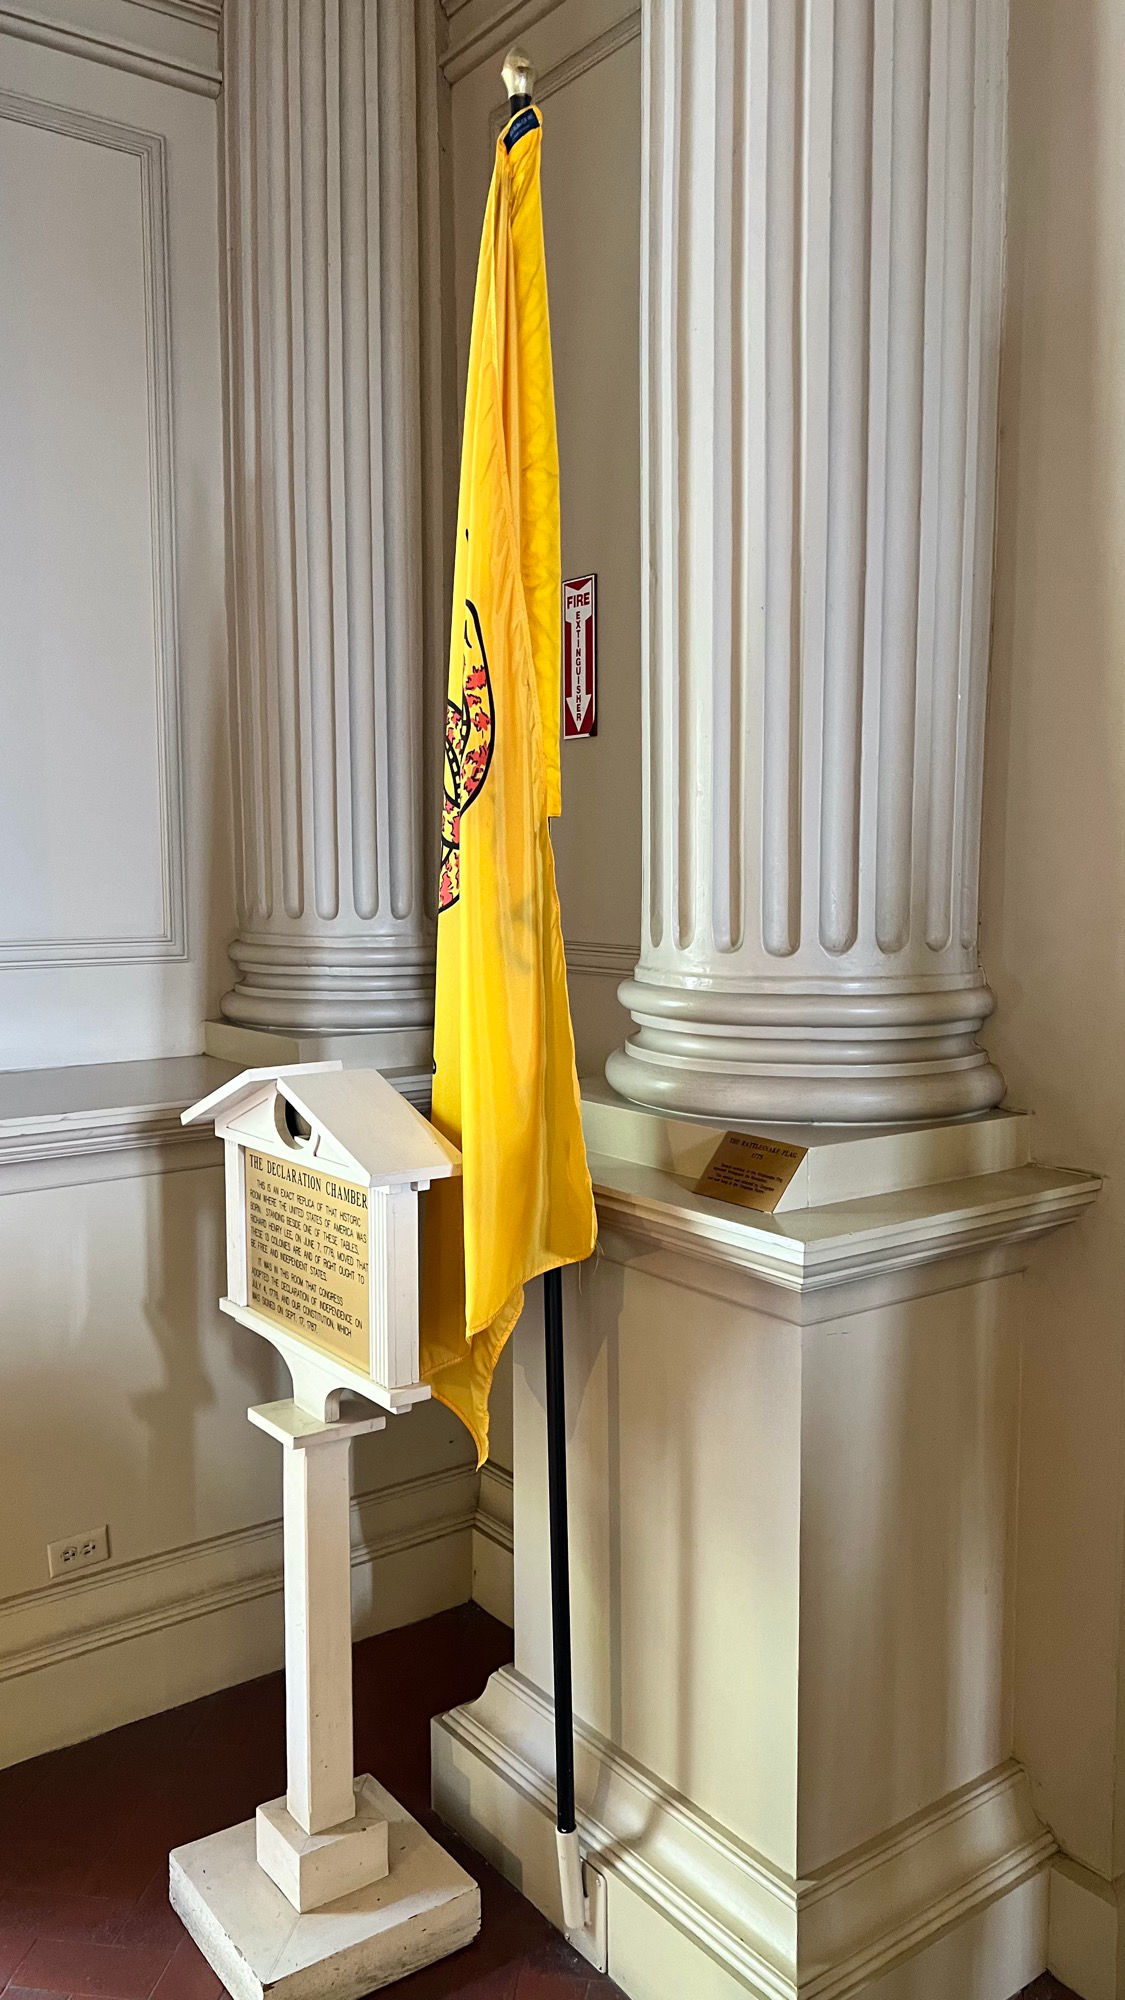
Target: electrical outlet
{"x":78,"y":1552}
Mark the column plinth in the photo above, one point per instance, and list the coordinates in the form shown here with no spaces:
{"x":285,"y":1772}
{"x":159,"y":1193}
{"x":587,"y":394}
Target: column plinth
{"x":792,"y":1462}
{"x":821,"y":272}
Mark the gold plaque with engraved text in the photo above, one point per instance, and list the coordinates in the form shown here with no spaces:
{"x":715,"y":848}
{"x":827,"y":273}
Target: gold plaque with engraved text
{"x":306,"y":1255}
{"x":750,"y":1170}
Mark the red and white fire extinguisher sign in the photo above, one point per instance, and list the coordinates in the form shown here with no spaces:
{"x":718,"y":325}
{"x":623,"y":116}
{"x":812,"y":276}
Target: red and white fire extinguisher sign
{"x":580,"y":656}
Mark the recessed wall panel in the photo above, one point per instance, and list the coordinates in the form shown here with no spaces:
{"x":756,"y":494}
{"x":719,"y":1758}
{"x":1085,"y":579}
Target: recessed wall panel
{"x":89,"y":832}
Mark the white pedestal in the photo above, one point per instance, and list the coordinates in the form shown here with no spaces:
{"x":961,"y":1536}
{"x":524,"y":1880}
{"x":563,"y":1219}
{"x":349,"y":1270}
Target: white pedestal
{"x":791,"y":1477}
{"x":333,"y":1888}
{"x":257,"y":1943}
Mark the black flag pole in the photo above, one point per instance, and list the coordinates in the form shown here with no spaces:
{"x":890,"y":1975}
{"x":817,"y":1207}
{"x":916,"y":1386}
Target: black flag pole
{"x":570,"y":1863}
{"x":519,"y":82}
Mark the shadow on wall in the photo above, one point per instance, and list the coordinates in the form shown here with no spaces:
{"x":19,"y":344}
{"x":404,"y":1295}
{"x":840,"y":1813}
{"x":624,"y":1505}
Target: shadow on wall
{"x":1053,"y":880}
{"x":181,"y":1455}
{"x":187,"y":1472}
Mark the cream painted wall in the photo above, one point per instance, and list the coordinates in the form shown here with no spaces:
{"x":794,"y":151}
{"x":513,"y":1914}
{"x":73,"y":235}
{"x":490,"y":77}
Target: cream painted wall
{"x":123,"y":1398}
{"x":1053,"y":906}
{"x":114,"y":770}
{"x":123,"y":1391}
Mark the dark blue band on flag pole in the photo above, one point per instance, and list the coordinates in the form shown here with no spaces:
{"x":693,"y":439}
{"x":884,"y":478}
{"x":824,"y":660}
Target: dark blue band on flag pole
{"x":528,"y":121}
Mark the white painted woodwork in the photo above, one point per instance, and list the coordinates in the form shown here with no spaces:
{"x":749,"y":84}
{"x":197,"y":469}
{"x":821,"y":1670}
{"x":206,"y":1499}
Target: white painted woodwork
{"x":587,"y":53}
{"x":101,"y":1121}
{"x":840,"y":1164}
{"x":322,"y":1840}
{"x":492,"y":1541}
{"x":793,"y":1454}
{"x":114,"y":769}
{"x":333,"y":1888}
{"x":325,"y":448}
{"x":821,"y":284}
{"x":359,"y":1124}
{"x":318,"y":1638}
{"x":1085,"y":1918}
{"x":312,"y":1869}
{"x":694,"y":1911}
{"x":172,"y":42}
{"x":85,"y":218}
{"x":263,"y":1949}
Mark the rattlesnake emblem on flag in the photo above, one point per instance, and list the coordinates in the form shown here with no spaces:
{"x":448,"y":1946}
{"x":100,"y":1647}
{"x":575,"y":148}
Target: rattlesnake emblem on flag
{"x":468,"y":753}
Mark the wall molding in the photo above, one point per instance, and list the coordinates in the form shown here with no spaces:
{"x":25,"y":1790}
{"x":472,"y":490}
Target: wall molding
{"x":101,"y":1146}
{"x":568,"y":71}
{"x":825,"y":1937}
{"x":103,"y":1121}
{"x":202,"y":77}
{"x":868,"y":1238}
{"x":148,"y":148}
{"x":97,"y":1651}
{"x":480,"y":38}
{"x":199,"y":13}
{"x":493,"y":1544}
{"x":606,"y":961}
{"x":1084,"y":1929}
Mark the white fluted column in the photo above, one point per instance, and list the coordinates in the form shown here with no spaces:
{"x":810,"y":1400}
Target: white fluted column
{"x":822,"y":268}
{"x":326,"y":522}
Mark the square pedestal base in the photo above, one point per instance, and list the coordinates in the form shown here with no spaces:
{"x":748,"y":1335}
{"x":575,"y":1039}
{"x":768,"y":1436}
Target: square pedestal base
{"x":258,"y":1944}
{"x":312,"y":1869}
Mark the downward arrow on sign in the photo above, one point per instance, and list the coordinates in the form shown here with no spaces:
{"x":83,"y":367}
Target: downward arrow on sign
{"x":576,"y":616}
{"x":580,"y":657}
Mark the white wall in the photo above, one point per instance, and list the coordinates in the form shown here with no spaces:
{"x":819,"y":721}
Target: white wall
{"x":116,"y":902}
{"x":123,"y":1391}
{"x":1053,"y":935}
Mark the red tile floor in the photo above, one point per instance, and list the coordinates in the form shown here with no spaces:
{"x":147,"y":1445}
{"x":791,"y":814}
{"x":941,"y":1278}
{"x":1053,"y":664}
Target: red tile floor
{"x":85,"y":1834}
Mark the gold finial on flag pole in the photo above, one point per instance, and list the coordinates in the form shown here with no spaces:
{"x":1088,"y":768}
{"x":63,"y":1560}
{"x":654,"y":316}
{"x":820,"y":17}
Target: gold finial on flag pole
{"x":520,"y":76}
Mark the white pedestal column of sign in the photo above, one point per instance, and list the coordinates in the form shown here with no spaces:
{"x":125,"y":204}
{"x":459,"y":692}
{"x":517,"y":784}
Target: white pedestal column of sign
{"x":327,"y":1835}
{"x":329,"y":525}
{"x":333,"y":1888}
{"x":821,"y":263}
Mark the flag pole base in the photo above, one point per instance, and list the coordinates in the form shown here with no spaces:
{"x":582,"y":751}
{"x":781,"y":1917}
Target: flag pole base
{"x":575,"y":1903}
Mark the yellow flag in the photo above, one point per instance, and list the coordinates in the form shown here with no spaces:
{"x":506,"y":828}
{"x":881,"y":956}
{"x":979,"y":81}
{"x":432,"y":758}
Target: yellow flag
{"x":505,"y":1089}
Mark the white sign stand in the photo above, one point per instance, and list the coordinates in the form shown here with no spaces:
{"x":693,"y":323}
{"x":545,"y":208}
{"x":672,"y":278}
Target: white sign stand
{"x":333,"y":1888}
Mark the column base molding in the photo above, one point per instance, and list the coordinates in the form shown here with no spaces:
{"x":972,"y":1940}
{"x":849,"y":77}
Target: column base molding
{"x":332,"y":985}
{"x":405,"y":1057}
{"x":842,"y":1057}
{"x":493,"y":1544}
{"x":692,"y":1910}
{"x":1086,"y":1933}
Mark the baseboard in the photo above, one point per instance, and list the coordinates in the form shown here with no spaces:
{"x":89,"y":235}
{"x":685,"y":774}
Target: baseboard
{"x":493,"y":1562}
{"x":1086,"y":1939}
{"x":684,"y":1895}
{"x":90,"y":1654}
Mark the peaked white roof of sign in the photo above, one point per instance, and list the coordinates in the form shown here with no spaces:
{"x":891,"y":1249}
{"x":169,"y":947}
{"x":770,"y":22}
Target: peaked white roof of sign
{"x":246,"y":1084}
{"x":374,"y":1122}
{"x":365,"y":1114}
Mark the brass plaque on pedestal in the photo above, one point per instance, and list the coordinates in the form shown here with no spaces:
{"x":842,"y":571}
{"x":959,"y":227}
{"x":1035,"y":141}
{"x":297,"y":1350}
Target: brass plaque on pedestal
{"x":750,"y":1170}
{"x":306,"y":1255}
